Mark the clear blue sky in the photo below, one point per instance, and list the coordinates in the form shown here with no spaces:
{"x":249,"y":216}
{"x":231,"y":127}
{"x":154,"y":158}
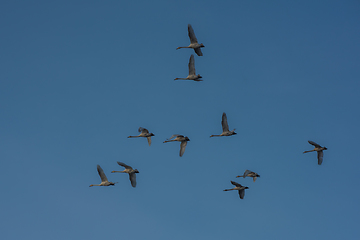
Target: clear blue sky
{"x":78,"y":77}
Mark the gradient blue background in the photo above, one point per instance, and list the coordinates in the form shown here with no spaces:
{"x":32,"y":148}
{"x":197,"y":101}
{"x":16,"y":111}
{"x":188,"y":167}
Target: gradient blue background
{"x":78,"y":77}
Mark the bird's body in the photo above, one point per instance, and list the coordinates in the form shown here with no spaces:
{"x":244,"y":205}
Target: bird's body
{"x":132,"y":173}
{"x":238,"y":187}
{"x":193,"y":42}
{"x":192,"y":75}
{"x":319,"y":149}
{"x":144,"y":133}
{"x":249,"y":173}
{"x":179,"y":138}
{"x":225,"y":128}
{"x":104,"y":180}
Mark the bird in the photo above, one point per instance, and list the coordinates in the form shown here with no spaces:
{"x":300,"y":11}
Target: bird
{"x":179,"y":138}
{"x":193,"y":42}
{"x":104,"y":180}
{"x":249,"y":173}
{"x":225,"y":128}
{"x":132,"y":173}
{"x":144,"y":133}
{"x":238,"y":187}
{"x":192,"y":75}
{"x":319,"y":149}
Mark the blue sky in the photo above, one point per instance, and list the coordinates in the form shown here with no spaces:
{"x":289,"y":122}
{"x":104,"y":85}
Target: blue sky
{"x":78,"y":77}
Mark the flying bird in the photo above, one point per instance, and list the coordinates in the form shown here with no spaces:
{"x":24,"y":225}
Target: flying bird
{"x":238,"y":187}
{"x":179,"y":138}
{"x":193,"y":42}
{"x":319,"y":149}
{"x":249,"y":173}
{"x":144,"y":133}
{"x":132,"y":173}
{"x":225,"y":128}
{"x":192,"y":75}
{"x":104,"y":180}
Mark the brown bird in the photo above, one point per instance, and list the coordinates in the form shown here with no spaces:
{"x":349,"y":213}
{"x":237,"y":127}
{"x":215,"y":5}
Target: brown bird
{"x":319,"y":149}
{"x":144,"y":133}
{"x":249,"y":173}
{"x":193,"y":42}
{"x":225,"y":128}
{"x":104,"y":180}
{"x":132,"y":173}
{"x":179,"y":138}
{"x":192,"y":75}
{"x":238,"y":187}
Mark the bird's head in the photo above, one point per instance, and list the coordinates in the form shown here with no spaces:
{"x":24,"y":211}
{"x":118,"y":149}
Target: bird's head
{"x":199,"y":76}
{"x":202,"y":45}
{"x":325,"y":148}
{"x":187,"y":139}
{"x":151,"y":134}
{"x":91,"y":185}
{"x":246,"y":187}
{"x":136,"y":171}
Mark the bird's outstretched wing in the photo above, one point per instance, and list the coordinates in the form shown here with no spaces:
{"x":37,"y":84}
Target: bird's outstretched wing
{"x":132,"y":177}
{"x":320,"y":157}
{"x":198,"y":51}
{"x":242,"y":193}
{"x":102,"y":174}
{"x":192,"y":34}
{"x":236,"y":184}
{"x":149,"y":140}
{"x":143,"y":130}
{"x":182,"y":148}
{"x":246,"y":173}
{"x":192,"y":65}
{"x":314,"y":144}
{"x":124,"y":165}
{"x":175,"y":135}
{"x":224,"y":123}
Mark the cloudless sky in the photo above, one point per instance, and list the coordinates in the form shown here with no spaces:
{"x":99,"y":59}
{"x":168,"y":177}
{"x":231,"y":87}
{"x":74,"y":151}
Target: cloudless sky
{"x":78,"y":77}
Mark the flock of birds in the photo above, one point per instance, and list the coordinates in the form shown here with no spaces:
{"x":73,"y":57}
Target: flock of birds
{"x":184,"y":139}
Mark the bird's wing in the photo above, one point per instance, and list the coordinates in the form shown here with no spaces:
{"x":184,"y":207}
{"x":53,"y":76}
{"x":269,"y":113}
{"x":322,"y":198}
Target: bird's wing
{"x":236,"y":184}
{"x":175,"y":135}
{"x":132,"y":177}
{"x":198,"y":51}
{"x":224,"y":123}
{"x":192,"y":65}
{"x":102,"y":174}
{"x":314,"y":144}
{"x":182,"y":148}
{"x":149,"y":140}
{"x":124,"y":165}
{"x":242,"y":193}
{"x":192,"y":34}
{"x":320,"y":157}
{"x":254,"y":179}
{"x":246,"y":173}
{"x":143,"y":130}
